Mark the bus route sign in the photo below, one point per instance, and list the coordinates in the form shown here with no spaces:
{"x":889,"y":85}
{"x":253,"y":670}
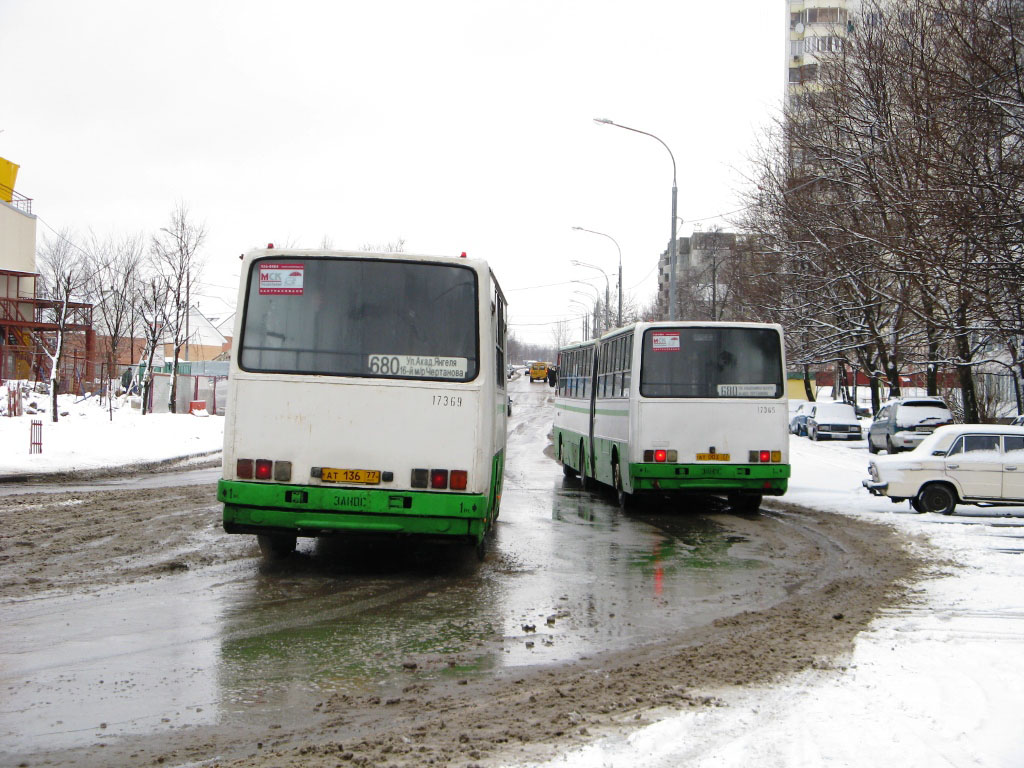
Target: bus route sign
{"x":418,"y":366}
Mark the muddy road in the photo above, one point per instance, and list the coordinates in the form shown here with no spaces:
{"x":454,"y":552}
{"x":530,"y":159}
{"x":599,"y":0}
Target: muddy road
{"x":135,"y":632}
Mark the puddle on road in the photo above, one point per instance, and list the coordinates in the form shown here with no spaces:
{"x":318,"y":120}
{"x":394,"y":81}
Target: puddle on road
{"x":567,"y":575}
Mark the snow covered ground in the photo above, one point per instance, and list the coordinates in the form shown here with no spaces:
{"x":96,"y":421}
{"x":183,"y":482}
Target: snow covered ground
{"x":939,"y":682}
{"x":87,"y":438}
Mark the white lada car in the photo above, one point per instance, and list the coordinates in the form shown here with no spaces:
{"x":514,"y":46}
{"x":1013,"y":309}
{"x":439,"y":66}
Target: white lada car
{"x":956,"y":464}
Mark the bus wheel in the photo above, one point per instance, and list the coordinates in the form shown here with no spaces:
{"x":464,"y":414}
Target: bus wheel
{"x":627,"y":501}
{"x":566,"y":469}
{"x":276,"y":546}
{"x":480,"y":548}
{"x":744,"y":502}
{"x":586,"y":480}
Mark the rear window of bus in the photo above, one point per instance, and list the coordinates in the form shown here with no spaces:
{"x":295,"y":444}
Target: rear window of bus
{"x":361,"y":317}
{"x":711,"y":363}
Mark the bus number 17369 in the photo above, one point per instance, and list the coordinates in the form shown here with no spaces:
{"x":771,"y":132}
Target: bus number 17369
{"x":447,"y":401}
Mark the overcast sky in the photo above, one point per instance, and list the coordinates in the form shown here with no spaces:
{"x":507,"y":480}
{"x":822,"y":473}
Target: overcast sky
{"x":457,"y":125}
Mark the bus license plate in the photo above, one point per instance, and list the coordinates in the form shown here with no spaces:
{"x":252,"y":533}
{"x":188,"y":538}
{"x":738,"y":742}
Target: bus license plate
{"x":712,"y":457}
{"x":360,"y":476}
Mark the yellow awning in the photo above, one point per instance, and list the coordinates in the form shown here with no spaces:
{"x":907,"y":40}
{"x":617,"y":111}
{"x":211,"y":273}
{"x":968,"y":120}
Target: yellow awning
{"x":8,"y":174}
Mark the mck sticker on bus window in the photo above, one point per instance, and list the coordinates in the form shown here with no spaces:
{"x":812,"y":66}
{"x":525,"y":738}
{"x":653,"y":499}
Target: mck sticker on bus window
{"x":746,"y":390}
{"x":281,"y":279}
{"x":664,"y":341}
{"x":418,"y":366}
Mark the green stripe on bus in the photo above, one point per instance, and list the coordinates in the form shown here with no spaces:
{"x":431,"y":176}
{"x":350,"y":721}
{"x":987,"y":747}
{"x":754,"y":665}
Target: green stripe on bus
{"x":572,"y":408}
{"x":600,"y":411}
{"x":341,"y":509}
{"x":750,"y":477}
{"x":311,"y":523}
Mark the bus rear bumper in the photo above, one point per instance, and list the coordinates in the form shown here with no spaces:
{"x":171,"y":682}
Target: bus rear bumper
{"x":766,"y":479}
{"x":316,"y":511}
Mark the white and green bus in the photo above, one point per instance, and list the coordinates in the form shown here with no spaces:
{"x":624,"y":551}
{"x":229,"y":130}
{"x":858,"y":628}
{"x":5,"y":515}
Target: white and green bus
{"x":677,"y":407}
{"x":366,"y":396}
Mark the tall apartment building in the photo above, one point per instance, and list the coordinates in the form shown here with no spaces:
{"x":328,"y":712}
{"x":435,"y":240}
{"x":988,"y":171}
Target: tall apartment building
{"x":700,"y":261}
{"x":815,"y":27}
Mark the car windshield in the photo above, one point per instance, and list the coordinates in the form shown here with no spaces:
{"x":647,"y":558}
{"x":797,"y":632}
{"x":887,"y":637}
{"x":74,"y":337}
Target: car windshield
{"x":836,"y":411}
{"x":913,"y":412}
{"x":361,"y":317}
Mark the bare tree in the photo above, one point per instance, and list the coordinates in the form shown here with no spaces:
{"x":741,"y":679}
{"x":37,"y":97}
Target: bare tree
{"x":153,"y":303}
{"x":890,"y":197}
{"x":560,"y":334}
{"x":114,"y":289}
{"x":175,"y":258}
{"x":64,"y":275}
{"x":392,"y":246}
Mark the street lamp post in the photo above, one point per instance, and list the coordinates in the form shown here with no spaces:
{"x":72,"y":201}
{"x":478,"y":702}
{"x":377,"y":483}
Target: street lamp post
{"x":602,"y":234}
{"x":585,"y":318}
{"x":597,"y":303}
{"x":672,"y":244}
{"x":607,"y":291}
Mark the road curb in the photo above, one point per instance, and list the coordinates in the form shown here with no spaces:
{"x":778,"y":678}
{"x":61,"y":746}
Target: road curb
{"x":108,"y":471}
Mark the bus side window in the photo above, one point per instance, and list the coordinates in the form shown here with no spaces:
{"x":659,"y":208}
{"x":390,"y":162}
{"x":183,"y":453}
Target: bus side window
{"x":620,"y":348}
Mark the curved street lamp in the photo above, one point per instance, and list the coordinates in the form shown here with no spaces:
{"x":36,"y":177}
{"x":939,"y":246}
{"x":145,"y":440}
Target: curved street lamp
{"x":602,"y":234}
{"x":607,"y":290}
{"x":672,"y":245}
{"x":597,"y":303}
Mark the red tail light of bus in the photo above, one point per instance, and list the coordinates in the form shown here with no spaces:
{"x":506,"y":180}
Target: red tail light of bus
{"x":765,"y":457}
{"x":661,"y":455}
{"x":263,"y":469}
{"x":440,"y":479}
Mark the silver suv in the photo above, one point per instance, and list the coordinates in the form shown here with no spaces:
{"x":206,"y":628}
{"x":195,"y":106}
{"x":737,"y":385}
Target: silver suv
{"x":901,"y":424}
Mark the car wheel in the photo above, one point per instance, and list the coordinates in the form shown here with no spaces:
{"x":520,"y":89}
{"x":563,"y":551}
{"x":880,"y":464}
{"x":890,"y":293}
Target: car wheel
{"x":916,"y":505}
{"x":889,"y":447}
{"x":814,"y":436}
{"x":871,"y":446}
{"x":937,"y":497}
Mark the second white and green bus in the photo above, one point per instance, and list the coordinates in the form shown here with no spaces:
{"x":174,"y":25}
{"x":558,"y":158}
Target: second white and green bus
{"x":367,"y":395}
{"x":677,"y":407}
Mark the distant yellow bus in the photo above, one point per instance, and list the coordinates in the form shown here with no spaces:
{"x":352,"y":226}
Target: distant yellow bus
{"x":538,"y":372}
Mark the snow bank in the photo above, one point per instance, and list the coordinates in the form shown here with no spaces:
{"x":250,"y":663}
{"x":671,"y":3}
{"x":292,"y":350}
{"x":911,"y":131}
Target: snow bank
{"x":87,"y":437}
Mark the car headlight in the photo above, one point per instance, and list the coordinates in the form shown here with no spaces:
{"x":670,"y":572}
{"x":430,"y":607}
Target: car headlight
{"x":873,"y":471}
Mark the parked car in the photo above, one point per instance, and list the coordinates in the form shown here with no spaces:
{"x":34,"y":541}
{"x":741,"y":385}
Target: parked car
{"x":902,"y":424}
{"x":955,"y":464}
{"x":1019,"y":421}
{"x":798,"y":419}
{"x":833,"y":421}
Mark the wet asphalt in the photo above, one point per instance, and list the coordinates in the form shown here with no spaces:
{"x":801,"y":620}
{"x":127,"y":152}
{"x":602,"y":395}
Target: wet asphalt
{"x":239,"y":644}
